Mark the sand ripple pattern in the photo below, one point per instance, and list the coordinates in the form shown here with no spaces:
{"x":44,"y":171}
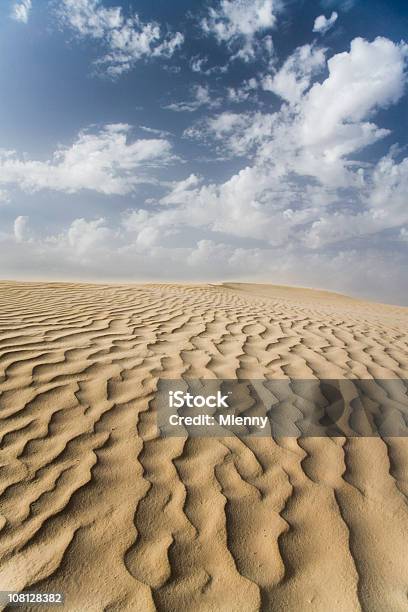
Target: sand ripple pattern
{"x":92,"y":503}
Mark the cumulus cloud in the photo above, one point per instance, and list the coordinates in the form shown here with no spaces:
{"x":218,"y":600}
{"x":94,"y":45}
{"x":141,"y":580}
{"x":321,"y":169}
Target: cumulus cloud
{"x":389,"y":189}
{"x":323,"y":24}
{"x":181,"y":189}
{"x":84,"y":235}
{"x":303,"y":186}
{"x":331,"y":121}
{"x":369,"y":76}
{"x":21,"y":10}
{"x":238,"y":23}
{"x":333,"y":118}
{"x":126,"y":39}
{"x":107,"y":162}
{"x":294,"y":78}
{"x":325,"y":122}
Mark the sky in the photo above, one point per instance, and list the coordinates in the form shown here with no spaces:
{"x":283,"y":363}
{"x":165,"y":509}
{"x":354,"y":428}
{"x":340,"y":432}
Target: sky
{"x":261,"y":140}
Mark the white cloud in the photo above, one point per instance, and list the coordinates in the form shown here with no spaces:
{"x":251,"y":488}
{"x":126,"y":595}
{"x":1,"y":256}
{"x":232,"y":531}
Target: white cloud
{"x":325,"y":122}
{"x":145,"y":227}
{"x":127,"y":39}
{"x":379,"y":204}
{"x":201,"y":97}
{"x":389,"y":188}
{"x":323,"y":24}
{"x":84,"y":235}
{"x":156,"y":132}
{"x":238,"y":22}
{"x":238,"y":134}
{"x":106,"y":162}
{"x":294,"y":78}
{"x":368,"y":77}
{"x":180,"y":190}
{"x":242,"y":93}
{"x":237,"y":95}
{"x":304,"y":186}
{"x":21,"y":10}
{"x":197,"y":64}
{"x":330,"y":122}
{"x":21,"y":231}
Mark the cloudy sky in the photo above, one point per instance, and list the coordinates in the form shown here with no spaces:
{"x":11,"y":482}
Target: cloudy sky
{"x":261,"y":140}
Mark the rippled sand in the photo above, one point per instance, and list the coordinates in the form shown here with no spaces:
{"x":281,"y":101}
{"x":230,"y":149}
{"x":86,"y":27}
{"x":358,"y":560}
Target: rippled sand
{"x":94,"y":504}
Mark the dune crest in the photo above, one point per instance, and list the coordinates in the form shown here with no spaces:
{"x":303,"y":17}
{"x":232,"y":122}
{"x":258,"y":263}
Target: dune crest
{"x":94,"y":504}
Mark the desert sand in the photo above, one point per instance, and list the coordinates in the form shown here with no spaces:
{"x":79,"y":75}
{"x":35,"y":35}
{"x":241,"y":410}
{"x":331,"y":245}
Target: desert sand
{"x":94,"y":504}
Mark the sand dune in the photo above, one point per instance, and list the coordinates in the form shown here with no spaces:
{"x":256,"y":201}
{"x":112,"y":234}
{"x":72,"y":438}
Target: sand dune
{"x":93,"y":503}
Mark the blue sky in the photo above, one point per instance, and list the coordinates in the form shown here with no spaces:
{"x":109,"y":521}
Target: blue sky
{"x":261,"y":141}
